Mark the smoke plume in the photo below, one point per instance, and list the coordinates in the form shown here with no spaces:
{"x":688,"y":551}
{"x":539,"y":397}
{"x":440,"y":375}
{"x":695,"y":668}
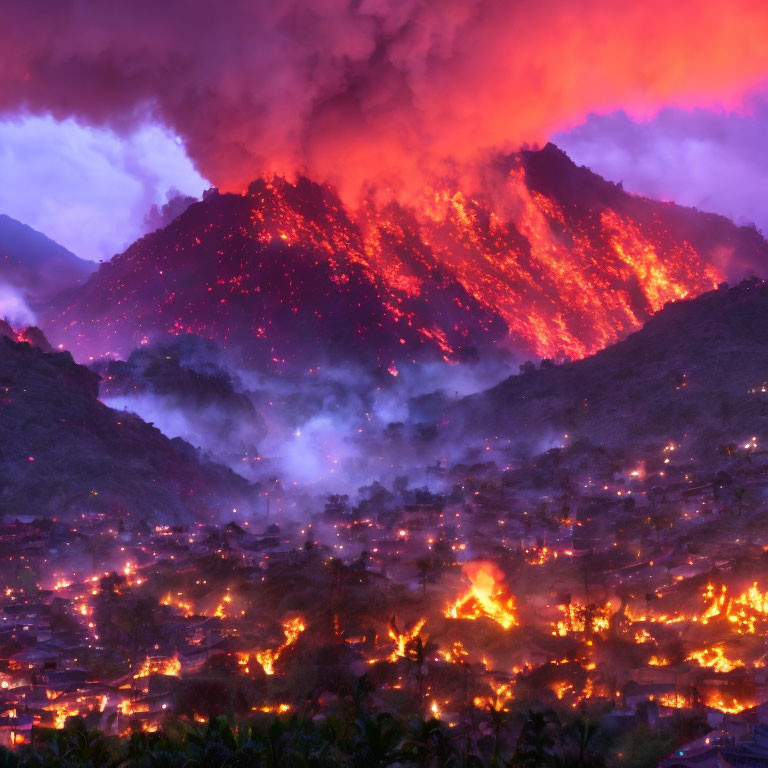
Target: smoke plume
{"x":372,"y":91}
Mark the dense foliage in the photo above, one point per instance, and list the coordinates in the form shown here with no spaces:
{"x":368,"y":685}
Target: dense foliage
{"x":365,"y":741}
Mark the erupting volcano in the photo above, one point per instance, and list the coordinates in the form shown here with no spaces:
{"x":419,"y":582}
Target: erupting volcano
{"x":394,"y":434}
{"x":551,"y":260}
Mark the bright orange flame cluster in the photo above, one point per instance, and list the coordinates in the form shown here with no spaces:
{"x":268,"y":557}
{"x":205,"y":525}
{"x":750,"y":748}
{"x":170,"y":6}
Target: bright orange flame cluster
{"x":151,"y":666}
{"x":267,"y":658}
{"x":487,"y":596}
{"x":401,"y":639}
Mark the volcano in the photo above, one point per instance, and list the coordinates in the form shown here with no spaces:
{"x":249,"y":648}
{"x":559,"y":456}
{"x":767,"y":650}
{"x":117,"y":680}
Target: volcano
{"x":550,"y":259}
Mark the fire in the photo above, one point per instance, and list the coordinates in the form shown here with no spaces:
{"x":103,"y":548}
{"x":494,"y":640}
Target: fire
{"x":186,"y":608}
{"x":676,"y":700}
{"x":560,"y":689}
{"x":714,"y":658}
{"x":728,"y":704}
{"x":587,"y":619}
{"x":267,"y":658}
{"x":226,"y":600}
{"x":456,"y":654}
{"x":748,"y":608}
{"x":485,"y":597}
{"x":502,"y":694}
{"x":560,"y":279}
{"x":151,"y":666}
{"x":61,"y":714}
{"x":540,"y":556}
{"x":277,"y":709}
{"x":716,"y":605}
{"x":401,"y":639}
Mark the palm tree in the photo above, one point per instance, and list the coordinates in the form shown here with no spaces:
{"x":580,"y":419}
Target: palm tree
{"x":428,"y":745}
{"x":377,"y":741}
{"x":536,"y":745}
{"x":498,"y":721}
{"x":582,"y":734}
{"x":739,"y":494}
{"x":414,"y":651}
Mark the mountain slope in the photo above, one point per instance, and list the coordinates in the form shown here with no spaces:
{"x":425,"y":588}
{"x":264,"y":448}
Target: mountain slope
{"x":62,"y":452}
{"x":696,"y":372}
{"x":35,"y":265}
{"x":550,"y":257}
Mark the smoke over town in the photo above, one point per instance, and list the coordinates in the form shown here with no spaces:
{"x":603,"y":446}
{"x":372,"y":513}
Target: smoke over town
{"x":372,"y":93}
{"x":409,"y":442}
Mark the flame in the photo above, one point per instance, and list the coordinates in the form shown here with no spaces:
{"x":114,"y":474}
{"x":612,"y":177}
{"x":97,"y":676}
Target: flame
{"x":714,"y":658}
{"x":583,"y":619}
{"x":502,"y":694}
{"x":220,"y":613}
{"x":186,"y":608}
{"x":728,"y":705}
{"x":563,"y":282}
{"x":486,"y":596}
{"x":267,"y":658}
{"x":61,"y":714}
{"x":277,"y":709}
{"x":151,"y":666}
{"x":401,"y":639}
{"x":676,"y":700}
{"x":456,"y":654}
{"x":716,"y":605}
{"x":540,"y":556}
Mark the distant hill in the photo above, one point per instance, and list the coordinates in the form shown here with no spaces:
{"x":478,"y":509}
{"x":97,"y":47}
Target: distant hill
{"x":35,"y":265}
{"x":698,"y":368}
{"x":62,"y":452}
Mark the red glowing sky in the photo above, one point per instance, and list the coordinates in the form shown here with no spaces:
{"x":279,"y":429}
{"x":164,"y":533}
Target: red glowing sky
{"x":376,"y":94}
{"x":372,"y":92}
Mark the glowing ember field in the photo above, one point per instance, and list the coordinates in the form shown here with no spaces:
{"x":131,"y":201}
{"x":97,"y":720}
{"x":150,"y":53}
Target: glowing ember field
{"x":277,"y":616}
{"x":556,"y":262}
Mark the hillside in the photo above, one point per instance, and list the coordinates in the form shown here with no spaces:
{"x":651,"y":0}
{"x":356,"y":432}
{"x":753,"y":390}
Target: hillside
{"x":35,"y":265}
{"x":63,"y":453}
{"x":697,"y":371}
{"x":550,"y":259}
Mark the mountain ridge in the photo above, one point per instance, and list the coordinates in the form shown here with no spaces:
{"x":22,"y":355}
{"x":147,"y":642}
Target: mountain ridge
{"x":35,"y":265}
{"x":293,"y":279}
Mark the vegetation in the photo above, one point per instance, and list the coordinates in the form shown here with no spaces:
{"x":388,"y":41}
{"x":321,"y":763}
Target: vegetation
{"x":363,"y":740}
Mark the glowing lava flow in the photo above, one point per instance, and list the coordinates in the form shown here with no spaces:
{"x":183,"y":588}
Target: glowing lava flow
{"x":451,"y":270}
{"x":485,"y":597}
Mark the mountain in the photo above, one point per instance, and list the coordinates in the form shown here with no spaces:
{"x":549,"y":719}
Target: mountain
{"x":185,"y":388}
{"x":36,"y":266}
{"x":696,"y":374}
{"x":63,"y":453}
{"x":550,"y":258}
